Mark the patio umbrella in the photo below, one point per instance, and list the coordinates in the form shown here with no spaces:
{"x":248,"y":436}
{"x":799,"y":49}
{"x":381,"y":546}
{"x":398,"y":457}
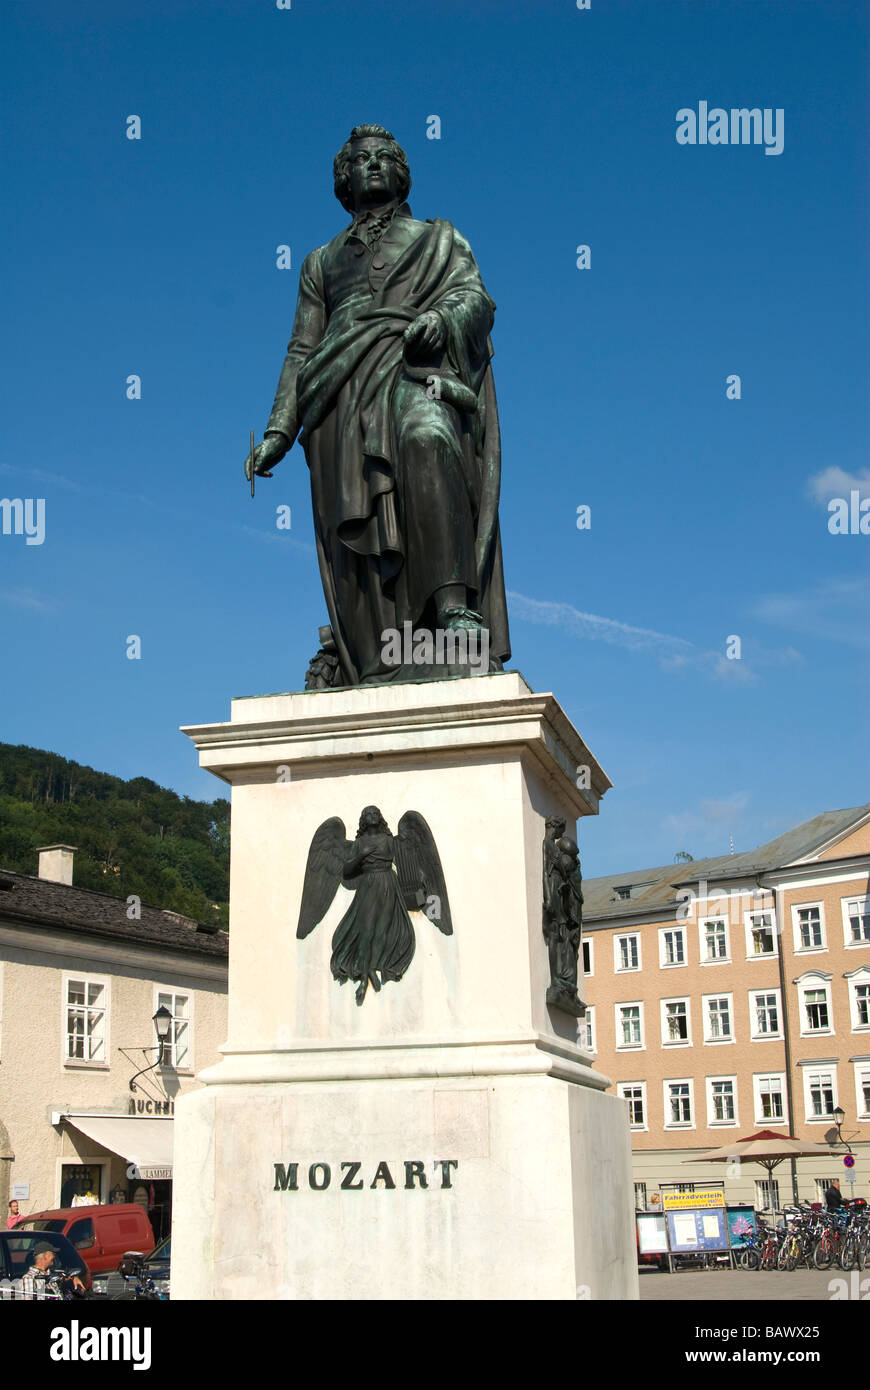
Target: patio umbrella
{"x":765,"y":1148}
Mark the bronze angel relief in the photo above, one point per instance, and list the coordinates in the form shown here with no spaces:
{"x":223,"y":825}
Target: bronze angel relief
{"x":389,"y":876}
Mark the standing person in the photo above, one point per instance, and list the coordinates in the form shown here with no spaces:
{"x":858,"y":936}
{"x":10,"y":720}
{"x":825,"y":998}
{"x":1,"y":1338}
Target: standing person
{"x":834,"y":1197}
{"x":14,"y":1216}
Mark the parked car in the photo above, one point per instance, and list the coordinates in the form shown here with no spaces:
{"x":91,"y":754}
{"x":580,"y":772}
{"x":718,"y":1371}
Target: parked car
{"x":101,"y":1235}
{"x":154,"y":1268}
{"x":17,"y":1249}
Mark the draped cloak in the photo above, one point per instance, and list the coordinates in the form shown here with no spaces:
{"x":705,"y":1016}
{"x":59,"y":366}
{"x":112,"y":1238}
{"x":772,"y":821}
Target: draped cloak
{"x":345,"y":384}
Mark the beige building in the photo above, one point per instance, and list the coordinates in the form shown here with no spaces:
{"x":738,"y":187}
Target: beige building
{"x":81,"y":977}
{"x":731,"y":995}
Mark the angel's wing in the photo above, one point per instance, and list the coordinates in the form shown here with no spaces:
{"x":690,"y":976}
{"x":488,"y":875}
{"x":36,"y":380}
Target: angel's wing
{"x":421,"y":877}
{"x":328,"y":852}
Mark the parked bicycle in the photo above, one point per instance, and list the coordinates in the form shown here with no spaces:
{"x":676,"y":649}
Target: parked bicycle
{"x":855,"y":1251}
{"x":761,"y":1250}
{"x":802,"y":1232}
{"x":831,"y":1244}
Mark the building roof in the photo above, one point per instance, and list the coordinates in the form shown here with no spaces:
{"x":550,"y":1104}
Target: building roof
{"x":655,"y":890}
{"x":42,"y":902}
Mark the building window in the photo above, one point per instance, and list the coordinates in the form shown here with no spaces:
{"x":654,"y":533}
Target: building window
{"x":862,"y":1087}
{"x":587,"y":956}
{"x":640,"y":1196}
{"x":858,"y":983}
{"x":769,"y":1097}
{"x":629,"y":1025}
{"x":857,"y":921}
{"x":767,"y":1194}
{"x":810,"y":935}
{"x":816,"y":1007}
{"x":679,"y":1102}
{"x":86,"y":1006}
{"x":765,"y":1012}
{"x":632,"y":1093}
{"x":718,"y":1018}
{"x":822,"y":1185}
{"x":820,"y":1090}
{"x":623,"y":892}
{"x":762,"y":939}
{"x":814,"y":1003}
{"x":627,"y":952}
{"x":721,"y":1101}
{"x":176,"y":1049}
{"x":675,"y":1021}
{"x":81,"y":1184}
{"x":673,"y":946}
{"x":587,"y":1029}
{"x":716,"y":939}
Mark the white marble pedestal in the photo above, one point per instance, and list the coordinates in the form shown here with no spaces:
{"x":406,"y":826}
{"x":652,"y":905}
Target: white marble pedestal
{"x":448,"y":1138}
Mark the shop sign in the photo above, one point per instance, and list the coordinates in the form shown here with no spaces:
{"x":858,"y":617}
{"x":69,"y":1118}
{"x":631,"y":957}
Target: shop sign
{"x":151,"y":1107}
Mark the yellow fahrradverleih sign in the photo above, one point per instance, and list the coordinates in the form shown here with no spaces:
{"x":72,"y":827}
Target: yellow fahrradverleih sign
{"x":703,"y":1198}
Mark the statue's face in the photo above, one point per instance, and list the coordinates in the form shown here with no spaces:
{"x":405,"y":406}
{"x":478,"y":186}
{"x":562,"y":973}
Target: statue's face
{"x":374,"y":175}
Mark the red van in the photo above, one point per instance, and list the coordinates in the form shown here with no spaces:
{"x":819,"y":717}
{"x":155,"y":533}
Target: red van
{"x":100,"y":1235}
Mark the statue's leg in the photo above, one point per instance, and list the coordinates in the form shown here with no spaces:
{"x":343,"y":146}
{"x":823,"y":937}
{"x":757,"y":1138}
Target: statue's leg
{"x":437,"y":503}
{"x":448,"y":598}
{"x":358,"y":609}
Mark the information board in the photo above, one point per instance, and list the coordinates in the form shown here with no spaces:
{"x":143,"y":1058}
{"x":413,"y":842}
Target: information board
{"x":692,"y":1232}
{"x":652,"y":1233}
{"x":741,"y":1225}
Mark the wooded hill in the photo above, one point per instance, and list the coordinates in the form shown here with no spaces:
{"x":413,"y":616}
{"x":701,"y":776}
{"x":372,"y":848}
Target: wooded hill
{"x":130,"y":836}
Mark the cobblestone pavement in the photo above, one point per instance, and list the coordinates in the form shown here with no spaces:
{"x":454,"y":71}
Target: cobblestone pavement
{"x":714,"y":1285}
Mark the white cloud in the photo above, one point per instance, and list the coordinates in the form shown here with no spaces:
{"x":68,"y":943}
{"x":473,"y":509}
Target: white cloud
{"x":836,"y":610}
{"x":674,"y":654}
{"x":278,"y":538}
{"x":26,"y":598}
{"x":836,"y":482}
{"x":55,"y":479}
{"x":709,"y":825}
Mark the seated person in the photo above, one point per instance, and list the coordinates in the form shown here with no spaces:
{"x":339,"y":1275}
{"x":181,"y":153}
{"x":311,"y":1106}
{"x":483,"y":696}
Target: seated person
{"x":43,"y":1259}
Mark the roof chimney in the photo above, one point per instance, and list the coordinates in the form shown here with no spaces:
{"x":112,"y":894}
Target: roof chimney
{"x":56,"y":863}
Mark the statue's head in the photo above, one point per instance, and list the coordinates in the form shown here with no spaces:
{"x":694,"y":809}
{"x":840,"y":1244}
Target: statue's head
{"x":555,"y":826}
{"x":370,"y":168}
{"x":372,"y":822}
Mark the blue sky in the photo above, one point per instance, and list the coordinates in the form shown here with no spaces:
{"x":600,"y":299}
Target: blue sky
{"x":709,"y":518}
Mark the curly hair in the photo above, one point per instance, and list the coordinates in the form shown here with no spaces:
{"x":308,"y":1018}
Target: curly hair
{"x":341,"y":163}
{"x":381,"y":828}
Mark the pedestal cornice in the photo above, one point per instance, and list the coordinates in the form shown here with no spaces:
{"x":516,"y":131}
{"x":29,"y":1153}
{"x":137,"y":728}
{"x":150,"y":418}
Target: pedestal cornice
{"x":408,"y":1059}
{"x":484,"y":714}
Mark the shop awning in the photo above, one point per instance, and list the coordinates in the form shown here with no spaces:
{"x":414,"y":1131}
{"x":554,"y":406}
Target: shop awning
{"x":145,"y":1143}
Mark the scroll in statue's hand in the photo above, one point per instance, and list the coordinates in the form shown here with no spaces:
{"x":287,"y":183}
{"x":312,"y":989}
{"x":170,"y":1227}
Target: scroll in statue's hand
{"x":425,"y":335}
{"x":266,"y":455}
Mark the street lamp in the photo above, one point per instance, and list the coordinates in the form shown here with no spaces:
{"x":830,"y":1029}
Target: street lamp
{"x":839,"y":1117}
{"x":162,"y":1021}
